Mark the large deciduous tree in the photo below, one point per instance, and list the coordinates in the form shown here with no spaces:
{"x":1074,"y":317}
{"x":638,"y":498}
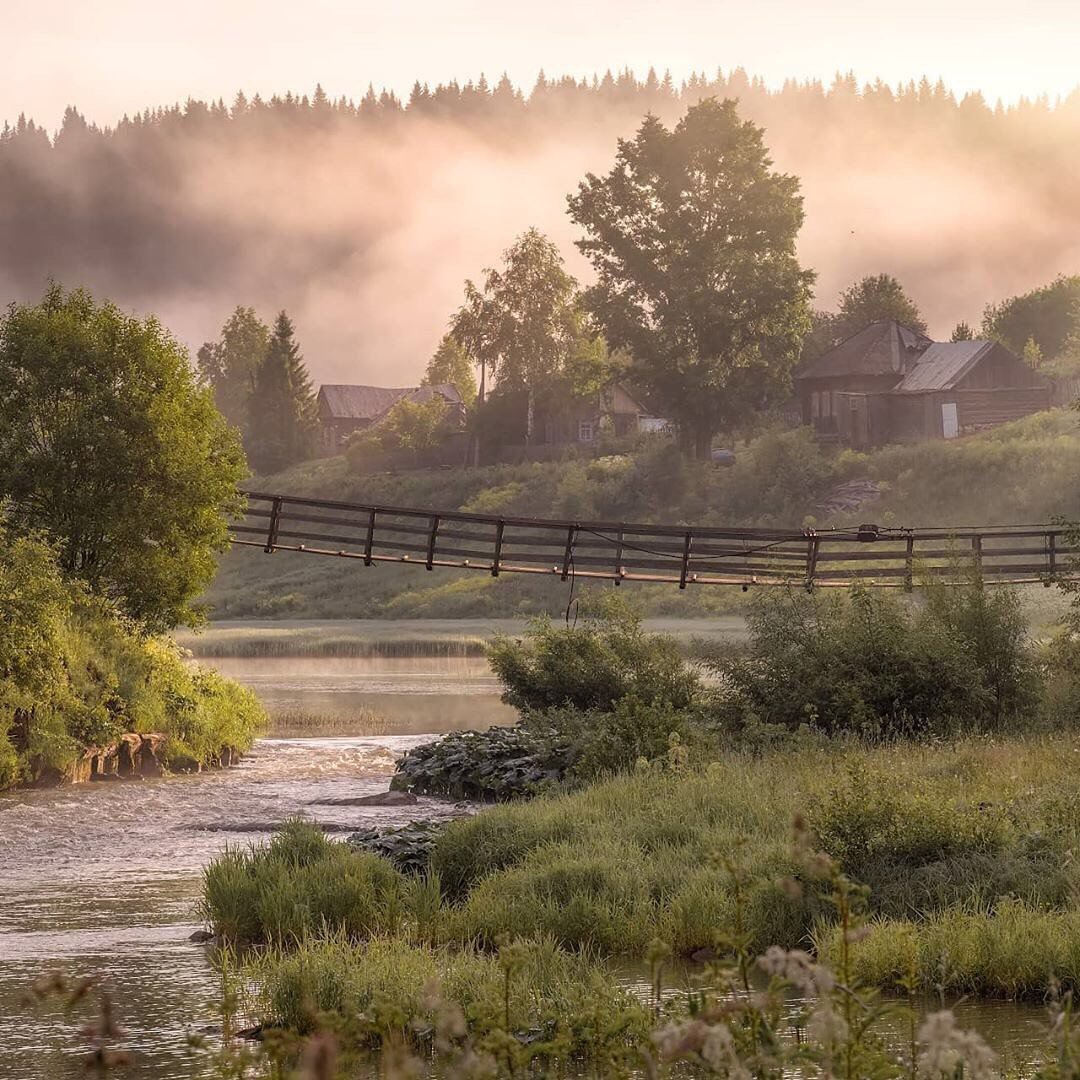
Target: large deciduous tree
{"x":281,"y":425}
{"x":692,"y":235}
{"x":110,"y":450}
{"x":875,"y":298}
{"x":526,"y":328}
{"x":228,"y":365}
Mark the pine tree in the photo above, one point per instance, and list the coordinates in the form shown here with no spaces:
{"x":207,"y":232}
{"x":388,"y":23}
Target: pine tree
{"x":282,"y":408}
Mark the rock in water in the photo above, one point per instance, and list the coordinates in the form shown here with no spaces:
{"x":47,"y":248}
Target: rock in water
{"x":381,"y":798}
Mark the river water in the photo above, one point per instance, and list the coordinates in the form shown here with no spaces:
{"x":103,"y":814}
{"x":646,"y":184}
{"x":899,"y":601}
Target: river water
{"x":102,"y":879}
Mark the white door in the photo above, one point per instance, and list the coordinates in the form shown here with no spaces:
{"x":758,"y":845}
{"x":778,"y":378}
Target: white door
{"x":950,"y":425}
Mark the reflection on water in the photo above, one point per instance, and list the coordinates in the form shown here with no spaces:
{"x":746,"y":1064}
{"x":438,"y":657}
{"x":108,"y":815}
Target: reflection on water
{"x":407,"y":694}
{"x":1015,"y":1030}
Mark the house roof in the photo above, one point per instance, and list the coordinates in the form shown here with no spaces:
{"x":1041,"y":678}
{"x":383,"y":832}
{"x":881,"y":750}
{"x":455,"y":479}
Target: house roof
{"x":882,"y":348}
{"x":347,"y":402}
{"x":943,"y":365}
{"x":418,"y":395}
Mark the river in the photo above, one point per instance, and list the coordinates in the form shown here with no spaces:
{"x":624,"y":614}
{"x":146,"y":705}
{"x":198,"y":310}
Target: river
{"x":103,"y":879}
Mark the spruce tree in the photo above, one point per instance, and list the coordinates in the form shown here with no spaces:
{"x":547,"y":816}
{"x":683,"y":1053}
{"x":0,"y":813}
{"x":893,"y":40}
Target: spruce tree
{"x":281,"y":428}
{"x":228,"y":365}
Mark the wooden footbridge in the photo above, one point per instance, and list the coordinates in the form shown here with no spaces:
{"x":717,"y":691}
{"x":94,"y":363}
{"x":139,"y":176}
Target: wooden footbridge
{"x":679,"y":554}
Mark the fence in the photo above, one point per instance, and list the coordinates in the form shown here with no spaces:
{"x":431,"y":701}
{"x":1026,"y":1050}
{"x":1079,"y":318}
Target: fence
{"x":682,"y":555}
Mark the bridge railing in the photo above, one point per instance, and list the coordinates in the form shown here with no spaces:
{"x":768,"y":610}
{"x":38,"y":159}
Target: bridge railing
{"x":620,"y":551}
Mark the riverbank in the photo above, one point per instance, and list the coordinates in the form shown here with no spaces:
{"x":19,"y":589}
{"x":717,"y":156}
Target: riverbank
{"x":400,"y":638}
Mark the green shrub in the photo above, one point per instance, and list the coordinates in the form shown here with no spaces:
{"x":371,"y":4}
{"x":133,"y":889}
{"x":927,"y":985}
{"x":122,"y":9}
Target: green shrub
{"x":298,"y":885}
{"x":1011,"y":950}
{"x":864,"y":664}
{"x":903,"y":823}
{"x":607,"y":658}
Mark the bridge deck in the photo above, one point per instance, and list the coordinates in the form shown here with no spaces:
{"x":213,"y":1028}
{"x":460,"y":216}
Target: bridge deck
{"x":679,"y":554}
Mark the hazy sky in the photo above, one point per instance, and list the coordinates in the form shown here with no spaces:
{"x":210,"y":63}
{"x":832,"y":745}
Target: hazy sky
{"x":109,"y":57}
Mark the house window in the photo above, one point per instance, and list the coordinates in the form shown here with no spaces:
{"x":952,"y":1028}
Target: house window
{"x":585,"y":431}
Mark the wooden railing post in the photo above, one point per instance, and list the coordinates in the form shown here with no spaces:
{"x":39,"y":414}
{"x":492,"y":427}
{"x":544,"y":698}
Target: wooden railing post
{"x":500,"y":528}
{"x":369,"y":542}
{"x":272,"y":528}
{"x":688,"y":541}
{"x":431,"y":541}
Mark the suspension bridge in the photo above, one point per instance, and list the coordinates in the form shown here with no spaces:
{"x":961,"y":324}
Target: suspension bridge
{"x":682,"y":555}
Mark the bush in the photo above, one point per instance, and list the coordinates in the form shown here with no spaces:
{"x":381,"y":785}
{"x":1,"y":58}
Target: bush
{"x":881,"y":820}
{"x":297,"y":885}
{"x":1012,"y":950}
{"x":863,"y":664}
{"x":74,"y":674}
{"x":607,"y":658}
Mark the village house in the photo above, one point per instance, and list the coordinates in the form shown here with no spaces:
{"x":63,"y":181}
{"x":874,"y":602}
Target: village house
{"x":614,"y":410}
{"x":890,"y":383}
{"x":343,"y":409}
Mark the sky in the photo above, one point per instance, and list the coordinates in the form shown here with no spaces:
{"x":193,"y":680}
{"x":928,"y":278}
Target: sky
{"x":111,"y":57}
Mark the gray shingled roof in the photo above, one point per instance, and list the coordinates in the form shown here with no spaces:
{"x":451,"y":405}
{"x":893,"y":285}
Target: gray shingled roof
{"x":943,"y":365}
{"x":882,"y":348}
{"x":421,"y":394}
{"x":360,"y":402}
{"x":369,"y":402}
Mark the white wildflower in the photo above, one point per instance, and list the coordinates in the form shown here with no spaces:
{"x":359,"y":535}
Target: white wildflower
{"x":946,"y":1050}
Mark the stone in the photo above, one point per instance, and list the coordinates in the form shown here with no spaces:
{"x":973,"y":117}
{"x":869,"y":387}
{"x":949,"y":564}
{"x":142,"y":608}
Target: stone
{"x":202,"y":937}
{"x":381,"y":798}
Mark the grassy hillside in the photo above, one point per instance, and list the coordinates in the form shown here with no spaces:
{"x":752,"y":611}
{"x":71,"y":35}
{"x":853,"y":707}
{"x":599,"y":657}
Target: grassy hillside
{"x":1024,"y":472}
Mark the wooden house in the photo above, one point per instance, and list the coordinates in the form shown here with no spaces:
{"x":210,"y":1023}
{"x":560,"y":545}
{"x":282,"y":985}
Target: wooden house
{"x":889,"y":383}
{"x":343,"y":409}
{"x":614,"y":410}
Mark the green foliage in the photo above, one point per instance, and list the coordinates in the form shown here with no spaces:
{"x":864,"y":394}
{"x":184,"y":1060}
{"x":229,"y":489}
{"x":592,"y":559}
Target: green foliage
{"x":228,"y":365}
{"x":531,"y":1010}
{"x":962,"y":332}
{"x":864,"y":664}
{"x":281,"y":410}
{"x":109,"y":449}
{"x":692,"y":236}
{"x":414,"y":425}
{"x":526,"y":327}
{"x":1012,"y":950}
{"x":74,"y":673}
{"x":408,"y":847}
{"x":594,"y":665}
{"x":875,"y":298}
{"x":1046,"y":317}
{"x":298,"y":885}
{"x":877,"y":823}
{"x":452,"y":365}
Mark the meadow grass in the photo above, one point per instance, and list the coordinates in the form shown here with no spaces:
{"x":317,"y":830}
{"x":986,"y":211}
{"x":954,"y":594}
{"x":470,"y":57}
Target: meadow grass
{"x":942,"y":833}
{"x":534,"y":988}
{"x":1009,"y":950}
{"x":304,"y":724}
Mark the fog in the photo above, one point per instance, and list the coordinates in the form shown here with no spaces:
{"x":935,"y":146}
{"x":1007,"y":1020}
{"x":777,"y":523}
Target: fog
{"x":364,"y":223}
